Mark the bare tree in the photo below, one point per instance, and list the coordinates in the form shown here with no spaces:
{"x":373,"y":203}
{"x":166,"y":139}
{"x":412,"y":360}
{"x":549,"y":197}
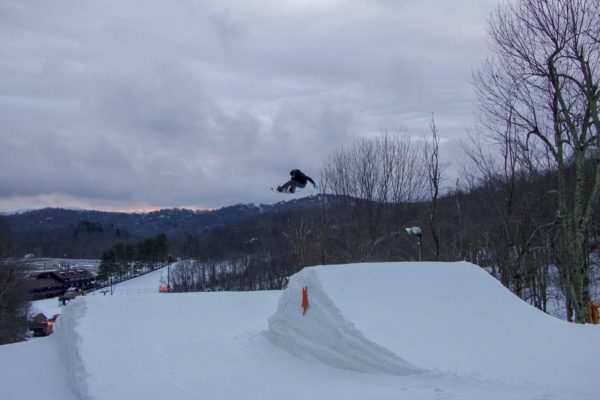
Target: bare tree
{"x":300,"y":242}
{"x":371,"y":178}
{"x":542,"y":80}
{"x":434,"y":175}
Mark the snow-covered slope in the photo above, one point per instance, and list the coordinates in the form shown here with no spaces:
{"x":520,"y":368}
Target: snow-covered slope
{"x":147,"y":283}
{"x":157,"y":346}
{"x":388,"y":331}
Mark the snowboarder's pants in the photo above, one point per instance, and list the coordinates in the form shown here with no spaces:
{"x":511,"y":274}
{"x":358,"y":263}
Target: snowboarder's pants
{"x":292,"y":185}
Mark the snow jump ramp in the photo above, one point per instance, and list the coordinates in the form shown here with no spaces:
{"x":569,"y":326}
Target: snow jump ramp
{"x":410,"y":318}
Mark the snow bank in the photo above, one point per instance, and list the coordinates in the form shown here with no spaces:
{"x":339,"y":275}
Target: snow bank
{"x":324,"y":332}
{"x":69,"y":343}
{"x":445,"y":317}
{"x":32,"y":370}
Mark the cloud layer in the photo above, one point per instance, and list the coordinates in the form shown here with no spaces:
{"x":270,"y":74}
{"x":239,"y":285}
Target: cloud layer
{"x":146,"y":103}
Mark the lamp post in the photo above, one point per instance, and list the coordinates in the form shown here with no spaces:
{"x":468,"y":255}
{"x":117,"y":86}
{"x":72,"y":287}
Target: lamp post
{"x":416,"y":231}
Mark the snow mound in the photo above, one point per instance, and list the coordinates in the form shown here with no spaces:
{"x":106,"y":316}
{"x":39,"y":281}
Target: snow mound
{"x":403,"y":318}
{"x":324,"y":332}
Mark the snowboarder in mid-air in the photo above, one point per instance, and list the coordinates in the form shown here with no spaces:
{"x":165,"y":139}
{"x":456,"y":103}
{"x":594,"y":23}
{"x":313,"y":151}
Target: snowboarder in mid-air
{"x":298,"y":180}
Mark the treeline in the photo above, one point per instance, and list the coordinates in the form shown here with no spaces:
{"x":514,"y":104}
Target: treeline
{"x":84,"y":239}
{"x":14,"y":295}
{"x":14,"y":304}
{"x":241,"y":274}
{"x":125,"y":260}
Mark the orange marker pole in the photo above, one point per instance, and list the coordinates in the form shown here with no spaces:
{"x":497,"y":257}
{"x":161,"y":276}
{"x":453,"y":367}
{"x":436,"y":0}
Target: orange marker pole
{"x":304,"y":299}
{"x":593,"y":311}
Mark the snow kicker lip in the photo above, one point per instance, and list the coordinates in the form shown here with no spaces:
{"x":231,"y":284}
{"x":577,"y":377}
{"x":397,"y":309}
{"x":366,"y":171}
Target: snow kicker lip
{"x":325,"y":334}
{"x":434,"y":317}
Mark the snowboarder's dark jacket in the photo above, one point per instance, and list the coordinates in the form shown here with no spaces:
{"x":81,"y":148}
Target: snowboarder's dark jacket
{"x":299,"y":177}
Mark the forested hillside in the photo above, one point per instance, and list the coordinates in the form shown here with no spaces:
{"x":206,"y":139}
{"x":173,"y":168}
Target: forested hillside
{"x":56,"y":232}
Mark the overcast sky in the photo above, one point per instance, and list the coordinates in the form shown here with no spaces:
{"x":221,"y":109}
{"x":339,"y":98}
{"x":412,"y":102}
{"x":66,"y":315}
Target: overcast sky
{"x":143,"y":104}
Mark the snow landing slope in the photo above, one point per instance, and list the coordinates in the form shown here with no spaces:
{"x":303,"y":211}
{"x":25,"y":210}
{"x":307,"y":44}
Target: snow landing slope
{"x":406,"y":318}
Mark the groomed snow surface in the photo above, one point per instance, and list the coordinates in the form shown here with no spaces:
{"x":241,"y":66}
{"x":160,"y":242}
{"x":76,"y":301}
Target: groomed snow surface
{"x":371,"y":331}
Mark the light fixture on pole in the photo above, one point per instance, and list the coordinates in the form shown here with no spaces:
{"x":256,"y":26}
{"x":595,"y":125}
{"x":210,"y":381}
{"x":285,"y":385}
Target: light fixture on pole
{"x":416,"y":231}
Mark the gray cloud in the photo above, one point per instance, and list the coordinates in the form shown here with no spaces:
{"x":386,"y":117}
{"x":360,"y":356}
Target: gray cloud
{"x":152,"y":104}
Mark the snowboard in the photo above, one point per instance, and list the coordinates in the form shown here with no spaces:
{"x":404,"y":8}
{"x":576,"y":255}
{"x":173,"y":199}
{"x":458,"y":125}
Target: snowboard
{"x":277,"y":189}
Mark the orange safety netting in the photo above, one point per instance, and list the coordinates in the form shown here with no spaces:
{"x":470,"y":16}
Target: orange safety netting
{"x":163,"y":289}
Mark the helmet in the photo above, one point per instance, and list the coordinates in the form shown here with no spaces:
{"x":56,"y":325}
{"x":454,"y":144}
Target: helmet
{"x":294,"y":172}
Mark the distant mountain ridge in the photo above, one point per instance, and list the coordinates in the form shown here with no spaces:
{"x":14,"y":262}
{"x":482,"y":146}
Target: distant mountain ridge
{"x":175,"y":222}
